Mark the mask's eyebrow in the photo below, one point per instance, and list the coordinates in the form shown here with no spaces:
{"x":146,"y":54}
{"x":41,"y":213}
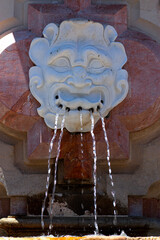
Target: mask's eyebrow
{"x":91,"y":52}
{"x":80,"y":54}
{"x":60,"y":51}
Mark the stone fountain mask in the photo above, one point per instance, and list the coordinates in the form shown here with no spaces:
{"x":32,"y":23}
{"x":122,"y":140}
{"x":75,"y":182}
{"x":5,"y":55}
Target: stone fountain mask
{"x":78,"y":71}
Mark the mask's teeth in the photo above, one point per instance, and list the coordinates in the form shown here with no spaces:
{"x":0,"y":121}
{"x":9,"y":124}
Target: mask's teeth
{"x":60,"y":106}
{"x":91,"y":110}
{"x":98,"y":108}
{"x":68,"y":109}
{"x":79,"y":108}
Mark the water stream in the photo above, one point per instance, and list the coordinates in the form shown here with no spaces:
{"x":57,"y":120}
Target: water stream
{"x":49,"y":171}
{"x":96,"y":231}
{"x":55,"y":175}
{"x":110,"y":172}
{"x":81,"y":134}
{"x":82,"y":155}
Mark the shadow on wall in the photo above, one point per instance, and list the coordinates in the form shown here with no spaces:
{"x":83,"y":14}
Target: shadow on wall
{"x":4,"y":202}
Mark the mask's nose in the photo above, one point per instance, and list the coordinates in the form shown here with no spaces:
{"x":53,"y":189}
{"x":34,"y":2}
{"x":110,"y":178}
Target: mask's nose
{"x":79,"y":78}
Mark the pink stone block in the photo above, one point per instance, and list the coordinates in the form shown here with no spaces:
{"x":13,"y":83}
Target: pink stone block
{"x":135,"y":206}
{"x":18,"y":206}
{"x":4,"y":207}
{"x":151,"y":207}
{"x":77,"y":4}
{"x":42,"y":14}
{"x":76,"y":164}
{"x":115,"y":15}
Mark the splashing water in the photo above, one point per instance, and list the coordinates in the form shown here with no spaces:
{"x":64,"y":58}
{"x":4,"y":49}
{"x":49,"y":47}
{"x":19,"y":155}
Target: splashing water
{"x":110,"y":172}
{"x":94,"y":175}
{"x":55,"y":175}
{"x":49,"y":171}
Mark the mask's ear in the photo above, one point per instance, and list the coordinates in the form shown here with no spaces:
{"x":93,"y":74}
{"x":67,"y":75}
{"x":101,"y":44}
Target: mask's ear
{"x":118,"y":55}
{"x":40,"y":46}
{"x":50,"y":32}
{"x":110,"y":34}
{"x":116,"y":49}
{"x":121,"y":87}
{"x":38,"y":49}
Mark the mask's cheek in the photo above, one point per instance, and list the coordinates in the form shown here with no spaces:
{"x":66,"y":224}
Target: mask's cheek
{"x":52,"y":76}
{"x":107,"y":77}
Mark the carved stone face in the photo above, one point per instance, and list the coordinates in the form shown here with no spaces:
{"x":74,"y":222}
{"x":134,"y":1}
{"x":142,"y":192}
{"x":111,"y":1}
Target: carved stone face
{"x":79,"y":71}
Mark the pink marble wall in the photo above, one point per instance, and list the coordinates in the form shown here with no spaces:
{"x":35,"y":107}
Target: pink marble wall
{"x":139,"y":110}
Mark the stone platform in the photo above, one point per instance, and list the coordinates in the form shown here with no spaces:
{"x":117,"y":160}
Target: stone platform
{"x":87,"y":238}
{"x":79,"y":226}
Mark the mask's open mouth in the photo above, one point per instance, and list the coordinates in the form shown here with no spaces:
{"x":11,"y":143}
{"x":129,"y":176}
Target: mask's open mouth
{"x":67,"y":101}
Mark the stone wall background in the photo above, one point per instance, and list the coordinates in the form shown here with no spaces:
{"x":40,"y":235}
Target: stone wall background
{"x":144,"y":15}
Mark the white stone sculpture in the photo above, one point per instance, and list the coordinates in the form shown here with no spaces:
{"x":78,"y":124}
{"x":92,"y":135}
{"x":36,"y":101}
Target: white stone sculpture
{"x":78,"y":71}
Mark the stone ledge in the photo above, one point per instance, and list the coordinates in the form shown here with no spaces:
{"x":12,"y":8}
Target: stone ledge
{"x":31,"y":226}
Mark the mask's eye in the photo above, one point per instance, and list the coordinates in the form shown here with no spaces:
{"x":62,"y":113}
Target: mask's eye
{"x":61,"y":64}
{"x":96,"y":66}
